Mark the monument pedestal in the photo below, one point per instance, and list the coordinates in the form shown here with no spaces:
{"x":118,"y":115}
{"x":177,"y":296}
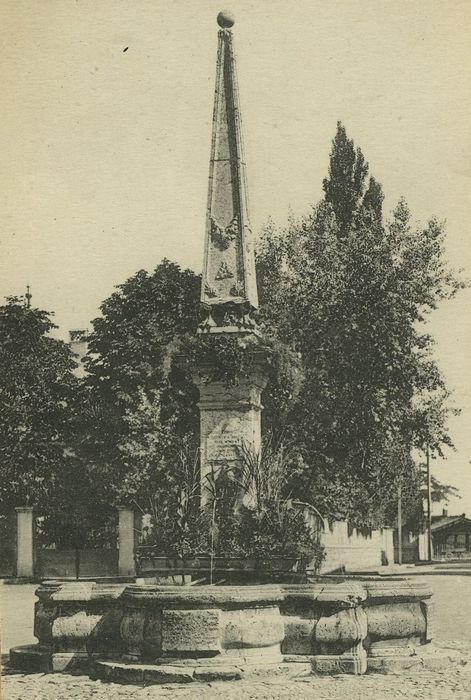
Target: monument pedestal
{"x":230,"y":417}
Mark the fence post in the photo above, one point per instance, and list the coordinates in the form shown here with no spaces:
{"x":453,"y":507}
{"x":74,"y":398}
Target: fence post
{"x":126,"y":541}
{"x":24,"y":542}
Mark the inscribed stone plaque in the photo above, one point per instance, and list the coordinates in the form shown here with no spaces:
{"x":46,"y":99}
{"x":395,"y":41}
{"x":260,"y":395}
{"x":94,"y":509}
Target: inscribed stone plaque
{"x":190,"y":630}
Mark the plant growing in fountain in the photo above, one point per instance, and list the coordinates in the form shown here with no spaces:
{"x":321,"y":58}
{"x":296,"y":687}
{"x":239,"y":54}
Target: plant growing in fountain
{"x":177,"y":526}
{"x":247,"y":515}
{"x":270,"y":523}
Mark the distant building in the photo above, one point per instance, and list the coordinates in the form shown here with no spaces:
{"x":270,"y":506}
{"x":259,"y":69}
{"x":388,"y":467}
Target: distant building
{"x":79,"y":345}
{"x":451,"y":535}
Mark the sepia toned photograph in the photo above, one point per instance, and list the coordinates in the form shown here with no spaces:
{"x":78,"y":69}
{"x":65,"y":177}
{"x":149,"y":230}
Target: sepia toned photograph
{"x":235,"y":349}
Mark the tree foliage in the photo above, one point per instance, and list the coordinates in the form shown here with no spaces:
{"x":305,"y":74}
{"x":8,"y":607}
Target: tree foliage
{"x":141,"y":407}
{"x":37,"y":388}
{"x":352,"y":293}
{"x":344,"y":187}
{"x":41,"y":419}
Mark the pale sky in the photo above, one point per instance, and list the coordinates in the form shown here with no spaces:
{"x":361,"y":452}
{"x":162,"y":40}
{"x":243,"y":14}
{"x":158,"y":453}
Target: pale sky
{"x":104,"y":153}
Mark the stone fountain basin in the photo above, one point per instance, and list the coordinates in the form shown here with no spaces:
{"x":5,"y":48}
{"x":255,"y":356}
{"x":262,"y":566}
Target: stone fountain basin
{"x":145,"y":633}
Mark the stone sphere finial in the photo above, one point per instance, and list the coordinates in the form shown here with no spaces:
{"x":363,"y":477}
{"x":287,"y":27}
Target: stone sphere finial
{"x":225,"y":19}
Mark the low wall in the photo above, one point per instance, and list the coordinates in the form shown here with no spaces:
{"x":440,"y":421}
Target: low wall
{"x":350,"y":549}
{"x":61,"y":562}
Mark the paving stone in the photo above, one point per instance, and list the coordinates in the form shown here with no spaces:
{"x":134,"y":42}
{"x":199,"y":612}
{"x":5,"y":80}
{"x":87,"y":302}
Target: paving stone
{"x":432,"y":688}
{"x":167,"y":674}
{"x":223,"y":673}
{"x":454,"y":683}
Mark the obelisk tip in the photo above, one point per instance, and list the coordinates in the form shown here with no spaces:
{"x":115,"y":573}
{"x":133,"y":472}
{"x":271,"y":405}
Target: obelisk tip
{"x":225,"y":19}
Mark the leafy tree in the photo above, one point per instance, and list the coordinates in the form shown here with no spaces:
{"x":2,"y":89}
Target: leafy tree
{"x":41,"y":406}
{"x":373,"y":199}
{"x":141,"y":405}
{"x":77,"y":514}
{"x":345,"y":184}
{"x":351,"y":294}
{"x":440,"y":492}
{"x":37,"y":385}
{"x":129,"y":342}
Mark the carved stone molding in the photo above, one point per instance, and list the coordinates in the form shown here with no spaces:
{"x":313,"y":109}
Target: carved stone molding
{"x":210,"y":291}
{"x":237,"y":289}
{"x":223,"y":237}
{"x":223,"y":272}
{"x":227,"y":317}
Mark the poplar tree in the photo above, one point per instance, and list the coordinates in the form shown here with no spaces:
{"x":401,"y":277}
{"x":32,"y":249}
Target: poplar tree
{"x":344,"y":186}
{"x":352,"y":295}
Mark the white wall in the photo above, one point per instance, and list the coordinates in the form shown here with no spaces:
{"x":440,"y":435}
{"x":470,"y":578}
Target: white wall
{"x":352,"y":550}
{"x":348,"y":548}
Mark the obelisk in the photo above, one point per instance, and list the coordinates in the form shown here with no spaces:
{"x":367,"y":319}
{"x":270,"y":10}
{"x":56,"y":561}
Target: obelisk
{"x":229,"y":287}
{"x":230,"y":416}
